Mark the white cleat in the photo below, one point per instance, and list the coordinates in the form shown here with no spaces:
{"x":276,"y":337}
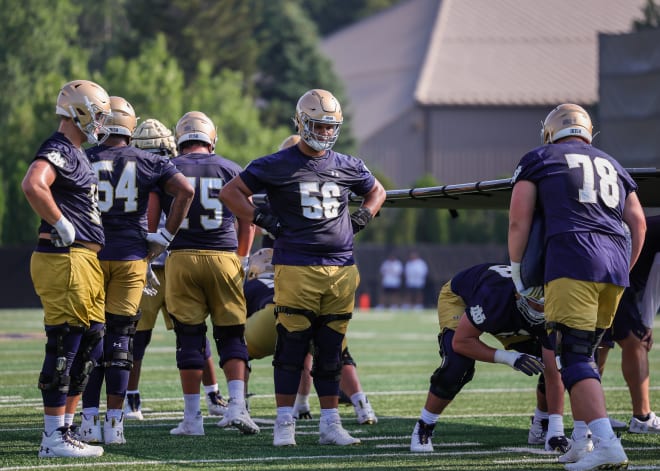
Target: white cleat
{"x":420,"y":442}
{"x":577,"y":449}
{"x":62,"y":444}
{"x":90,"y":429}
{"x":216,"y":404}
{"x":190,"y":427}
{"x":617,"y":424}
{"x":606,"y":454}
{"x":537,"y":431}
{"x":652,"y":425}
{"x":113,"y":431}
{"x":284,"y":432}
{"x":332,"y":433}
{"x":365,"y":414}
{"x":238,"y":416}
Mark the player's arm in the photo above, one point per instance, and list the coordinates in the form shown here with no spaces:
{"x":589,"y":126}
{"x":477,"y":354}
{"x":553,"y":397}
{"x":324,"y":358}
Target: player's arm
{"x":633,"y":215}
{"x":182,"y":193}
{"x":467,"y":342}
{"x":154,"y":209}
{"x":36,"y":186}
{"x":235,"y":195}
{"x":245,"y":234}
{"x":373,"y":200}
{"x":521,"y":211}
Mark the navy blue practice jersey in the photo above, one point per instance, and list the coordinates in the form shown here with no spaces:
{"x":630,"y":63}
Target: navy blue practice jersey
{"x":582,"y":193}
{"x":126,"y":177}
{"x":310,"y":198}
{"x":74,"y":189}
{"x":209,"y":225}
{"x":489,"y":296}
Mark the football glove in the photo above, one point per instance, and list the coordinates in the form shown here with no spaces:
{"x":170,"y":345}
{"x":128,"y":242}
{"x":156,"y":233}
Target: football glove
{"x":158,"y":242}
{"x":151,"y":287}
{"x":63,"y":233}
{"x":268,"y":222}
{"x":360,"y":218}
{"x":528,"y":364}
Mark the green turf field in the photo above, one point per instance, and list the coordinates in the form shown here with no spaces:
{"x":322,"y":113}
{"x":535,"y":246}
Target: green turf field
{"x":484,"y":429}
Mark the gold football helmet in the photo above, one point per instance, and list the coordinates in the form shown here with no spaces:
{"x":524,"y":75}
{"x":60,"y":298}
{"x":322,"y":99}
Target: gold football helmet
{"x":88,"y":105}
{"x":195,"y":126}
{"x":261,"y":265}
{"x":567,"y":120}
{"x":290,"y":141}
{"x":122,"y":120}
{"x":318,"y":107}
{"x":153,"y":136}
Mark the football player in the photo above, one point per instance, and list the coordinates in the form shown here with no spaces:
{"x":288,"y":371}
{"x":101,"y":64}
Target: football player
{"x":61,"y":186}
{"x":584,"y":195}
{"x":261,"y":335}
{"x":482,"y":299}
{"x":308,"y":186}
{"x":204,"y":275}
{"x":126,"y":177}
{"x":153,"y":136}
{"x":632,"y":329}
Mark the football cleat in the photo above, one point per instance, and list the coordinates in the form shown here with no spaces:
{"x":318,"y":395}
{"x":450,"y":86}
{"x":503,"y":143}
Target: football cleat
{"x":190,"y":427}
{"x":651,"y":425}
{"x":420,"y":442}
{"x":216,"y":404}
{"x":90,"y":429}
{"x":62,"y":444}
{"x":577,"y":449}
{"x":558,"y":443}
{"x":132,"y":407}
{"x":537,"y":431}
{"x":606,"y":454}
{"x":365,"y":414}
{"x":238,"y":416}
{"x":113,"y":430}
{"x":331,"y":432}
{"x":284,"y":432}
{"x":618,"y":424}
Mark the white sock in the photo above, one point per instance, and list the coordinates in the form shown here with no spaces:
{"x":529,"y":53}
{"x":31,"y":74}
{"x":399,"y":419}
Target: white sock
{"x":302,"y":400}
{"x":357,"y":397}
{"x":428,"y":417}
{"x":190,"y":406}
{"x":285,"y":412}
{"x":133,"y":392}
{"x":236,"y":390}
{"x":68,"y":418}
{"x":601,"y":428}
{"x":539,"y":415}
{"x":580,"y":430}
{"x":211,"y":388}
{"x":52,"y":423}
{"x":113,"y":414}
{"x":90,"y":411}
{"x":328,"y":414}
{"x":555,"y":425}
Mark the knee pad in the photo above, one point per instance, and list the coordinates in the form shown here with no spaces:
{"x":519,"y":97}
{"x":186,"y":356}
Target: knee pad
{"x":91,"y":348}
{"x":289,"y":358}
{"x":118,"y":342}
{"x":327,"y":354}
{"x":574,"y":350}
{"x":230,"y":342}
{"x":141,"y":341}
{"x":346,"y":358}
{"x":62,"y":343}
{"x":454,"y":372}
{"x":190,"y":345}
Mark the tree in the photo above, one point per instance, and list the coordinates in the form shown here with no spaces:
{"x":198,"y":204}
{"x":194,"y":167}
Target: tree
{"x":39,"y":55}
{"x":332,"y":16}
{"x":651,"y":18}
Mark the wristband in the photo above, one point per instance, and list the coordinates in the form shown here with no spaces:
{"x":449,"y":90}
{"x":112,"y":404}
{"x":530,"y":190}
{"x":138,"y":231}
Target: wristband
{"x":505,"y":357}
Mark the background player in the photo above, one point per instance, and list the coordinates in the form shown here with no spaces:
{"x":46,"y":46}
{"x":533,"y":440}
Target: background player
{"x":483,"y":299}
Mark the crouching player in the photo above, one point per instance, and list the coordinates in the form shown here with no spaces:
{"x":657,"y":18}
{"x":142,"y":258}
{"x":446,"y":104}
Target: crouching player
{"x":482,"y":299}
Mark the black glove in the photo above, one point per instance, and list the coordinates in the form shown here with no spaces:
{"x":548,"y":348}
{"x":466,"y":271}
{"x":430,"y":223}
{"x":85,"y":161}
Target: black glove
{"x":268,"y":222}
{"x":528,"y":364}
{"x":360,"y":219}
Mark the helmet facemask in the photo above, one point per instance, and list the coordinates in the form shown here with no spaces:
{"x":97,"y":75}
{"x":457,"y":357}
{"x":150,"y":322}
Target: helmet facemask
{"x":91,"y":123}
{"x":88,"y":105}
{"x":532,"y":306}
